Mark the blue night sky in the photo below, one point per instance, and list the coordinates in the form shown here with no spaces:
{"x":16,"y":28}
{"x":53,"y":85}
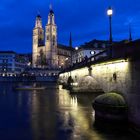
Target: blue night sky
{"x":86,"y":19}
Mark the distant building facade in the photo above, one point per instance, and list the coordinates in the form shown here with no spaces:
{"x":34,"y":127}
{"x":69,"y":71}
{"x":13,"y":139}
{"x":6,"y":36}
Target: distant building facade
{"x":89,"y":49}
{"x":64,"y":56}
{"x":12,"y":63}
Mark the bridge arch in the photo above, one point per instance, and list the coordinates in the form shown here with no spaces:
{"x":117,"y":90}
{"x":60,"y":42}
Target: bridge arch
{"x":89,"y":83}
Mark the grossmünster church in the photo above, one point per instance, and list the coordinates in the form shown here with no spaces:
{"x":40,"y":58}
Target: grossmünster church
{"x":46,"y":52}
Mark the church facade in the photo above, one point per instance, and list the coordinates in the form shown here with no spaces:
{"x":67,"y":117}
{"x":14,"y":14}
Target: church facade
{"x":46,"y":52}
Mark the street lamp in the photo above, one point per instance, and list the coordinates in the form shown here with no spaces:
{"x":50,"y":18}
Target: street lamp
{"x":76,"y":52}
{"x":110,"y":13}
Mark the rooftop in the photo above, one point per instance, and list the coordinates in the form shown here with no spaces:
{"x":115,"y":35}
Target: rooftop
{"x":8,"y":52}
{"x":64,"y":47}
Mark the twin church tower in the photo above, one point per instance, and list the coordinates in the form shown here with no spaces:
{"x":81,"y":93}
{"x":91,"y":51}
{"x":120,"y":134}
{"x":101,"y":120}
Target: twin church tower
{"x":44,"y":49}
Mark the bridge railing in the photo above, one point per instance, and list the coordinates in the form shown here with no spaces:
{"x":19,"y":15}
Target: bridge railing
{"x":102,"y":55}
{"x":120,"y":50}
{"x":88,"y":61}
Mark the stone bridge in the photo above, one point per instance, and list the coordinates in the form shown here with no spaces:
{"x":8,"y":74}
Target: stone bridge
{"x":121,"y":75}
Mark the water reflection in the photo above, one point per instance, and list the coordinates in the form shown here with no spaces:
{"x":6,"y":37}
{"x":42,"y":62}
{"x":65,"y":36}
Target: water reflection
{"x":76,"y":120}
{"x":52,"y":114}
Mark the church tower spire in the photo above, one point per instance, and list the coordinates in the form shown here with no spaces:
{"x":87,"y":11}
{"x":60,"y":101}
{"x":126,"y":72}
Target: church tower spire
{"x":51,"y":18}
{"x":70,"y":45}
{"x":38,"y":39}
{"x":51,"y":7}
{"x":51,"y":41}
{"x":38,"y":23}
{"x":130,"y":33}
{"x":70,"y":41}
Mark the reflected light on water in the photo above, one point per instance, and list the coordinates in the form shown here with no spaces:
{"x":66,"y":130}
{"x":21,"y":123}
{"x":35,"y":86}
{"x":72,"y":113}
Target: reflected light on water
{"x":74,"y":102}
{"x":80,"y":125}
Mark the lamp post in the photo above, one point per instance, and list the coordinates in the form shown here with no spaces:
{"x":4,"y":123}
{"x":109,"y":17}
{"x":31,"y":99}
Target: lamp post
{"x":76,"y":51}
{"x":110,"y":13}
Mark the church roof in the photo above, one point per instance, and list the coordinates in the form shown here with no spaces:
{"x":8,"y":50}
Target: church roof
{"x":92,"y":44}
{"x":64,"y":47}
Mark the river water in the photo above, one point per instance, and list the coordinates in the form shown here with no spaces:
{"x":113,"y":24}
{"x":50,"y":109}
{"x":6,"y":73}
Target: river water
{"x":51,"y":114}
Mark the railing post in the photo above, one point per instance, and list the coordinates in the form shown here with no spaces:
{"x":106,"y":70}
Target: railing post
{"x":90,"y":70}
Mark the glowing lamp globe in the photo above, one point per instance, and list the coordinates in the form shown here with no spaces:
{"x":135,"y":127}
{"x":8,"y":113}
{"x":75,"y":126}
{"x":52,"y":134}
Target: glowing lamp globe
{"x":76,"y":48}
{"x":92,"y":52}
{"x":110,"y":12}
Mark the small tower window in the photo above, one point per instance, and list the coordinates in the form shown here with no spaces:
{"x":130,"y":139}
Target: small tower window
{"x":47,"y":37}
{"x":53,"y":39}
